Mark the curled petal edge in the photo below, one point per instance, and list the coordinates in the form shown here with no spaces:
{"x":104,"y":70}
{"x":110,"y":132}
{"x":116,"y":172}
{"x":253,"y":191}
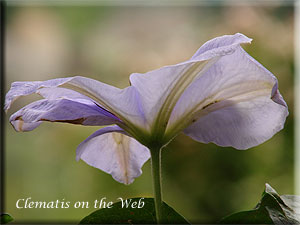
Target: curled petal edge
{"x":111,"y":150}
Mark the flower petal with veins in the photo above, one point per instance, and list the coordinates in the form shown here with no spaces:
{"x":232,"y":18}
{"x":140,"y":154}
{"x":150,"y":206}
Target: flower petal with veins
{"x":80,"y":111}
{"x":111,"y":150}
{"x":233,"y":79}
{"x":123,"y":103}
{"x":241,"y":125}
{"x":160,"y":89}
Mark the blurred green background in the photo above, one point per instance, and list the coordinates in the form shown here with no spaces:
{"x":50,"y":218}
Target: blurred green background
{"x":203,"y":182}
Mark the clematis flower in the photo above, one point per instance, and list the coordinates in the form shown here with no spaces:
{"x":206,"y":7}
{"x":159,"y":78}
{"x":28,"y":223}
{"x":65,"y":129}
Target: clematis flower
{"x":220,"y":95}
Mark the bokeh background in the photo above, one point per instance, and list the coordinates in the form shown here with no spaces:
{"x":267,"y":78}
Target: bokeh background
{"x":203,"y":182}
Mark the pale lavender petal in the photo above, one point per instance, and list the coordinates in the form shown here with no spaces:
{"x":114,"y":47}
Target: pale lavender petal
{"x":124,"y":103}
{"x":23,"y":88}
{"x":111,"y":150}
{"x":222,"y":42}
{"x":241,"y":125}
{"x":161,"y":88}
{"x":59,"y":93}
{"x":80,"y":111}
{"x":232,"y":76}
{"x":234,"y":103}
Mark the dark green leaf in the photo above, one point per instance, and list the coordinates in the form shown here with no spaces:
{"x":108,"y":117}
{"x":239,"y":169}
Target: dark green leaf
{"x":272,"y":209}
{"x":5,"y":218}
{"x":143,"y":215}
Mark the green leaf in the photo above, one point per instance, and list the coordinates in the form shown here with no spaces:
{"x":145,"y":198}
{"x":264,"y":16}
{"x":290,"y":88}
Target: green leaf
{"x":272,"y":209}
{"x":143,"y":215}
{"x":5,"y":218}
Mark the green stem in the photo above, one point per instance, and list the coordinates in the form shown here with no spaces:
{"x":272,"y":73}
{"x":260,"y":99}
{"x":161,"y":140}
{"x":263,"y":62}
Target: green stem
{"x":156,"y":175}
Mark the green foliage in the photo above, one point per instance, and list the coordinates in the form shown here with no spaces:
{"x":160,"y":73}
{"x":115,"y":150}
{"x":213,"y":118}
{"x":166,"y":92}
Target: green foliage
{"x":145,"y":215}
{"x":272,"y":209}
{"x":5,"y":218}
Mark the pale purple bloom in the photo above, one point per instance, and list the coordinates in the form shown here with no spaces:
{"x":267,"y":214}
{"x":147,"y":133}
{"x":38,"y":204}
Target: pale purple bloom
{"x":220,"y":95}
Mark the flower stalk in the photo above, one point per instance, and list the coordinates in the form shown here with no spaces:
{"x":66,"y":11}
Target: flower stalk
{"x":156,"y":175}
